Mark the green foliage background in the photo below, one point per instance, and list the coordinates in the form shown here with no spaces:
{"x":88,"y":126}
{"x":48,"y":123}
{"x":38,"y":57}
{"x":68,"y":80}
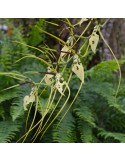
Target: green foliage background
{"x":94,"y":117}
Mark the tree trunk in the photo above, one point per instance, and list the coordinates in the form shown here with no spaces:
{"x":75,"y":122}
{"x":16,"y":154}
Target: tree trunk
{"x":114,"y":33}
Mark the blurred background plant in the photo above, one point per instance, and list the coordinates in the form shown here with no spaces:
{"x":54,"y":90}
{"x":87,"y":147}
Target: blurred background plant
{"x":95,"y":116}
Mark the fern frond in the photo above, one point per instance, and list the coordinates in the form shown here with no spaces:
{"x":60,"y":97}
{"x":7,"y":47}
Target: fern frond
{"x":65,"y":132}
{"x":104,"y":69}
{"x":85,"y":114}
{"x":106,"y":90}
{"x":117,"y":136}
{"x":8,"y":130}
{"x":2,"y":113}
{"x":85,"y":122}
{"x":85,"y":131}
{"x":16,"y":109}
{"x":4,"y":96}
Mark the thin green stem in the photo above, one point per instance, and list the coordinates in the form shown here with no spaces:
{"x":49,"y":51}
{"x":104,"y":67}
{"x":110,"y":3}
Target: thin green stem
{"x":82,"y":34}
{"x":71,"y":103}
{"x":120,"y":76}
{"x":47,"y":109}
{"x":60,"y":40}
{"x":57,"y":113}
{"x":29,"y":46}
{"x":33,"y":117}
{"x":105,"y":23}
{"x":56,"y":104}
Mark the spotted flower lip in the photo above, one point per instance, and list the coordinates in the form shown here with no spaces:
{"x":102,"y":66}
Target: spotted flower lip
{"x":93,"y":41}
{"x":60,"y":82}
{"x":49,"y":77}
{"x":77,"y":68}
{"x":31,"y":98}
{"x":67,"y":47}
